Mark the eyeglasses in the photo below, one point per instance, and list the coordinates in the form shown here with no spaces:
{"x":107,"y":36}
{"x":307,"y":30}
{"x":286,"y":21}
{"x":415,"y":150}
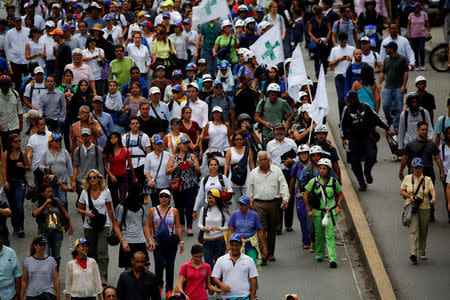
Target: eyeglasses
{"x":238,"y":139}
{"x":164,"y":196}
{"x":92,"y":177}
{"x":17,"y":141}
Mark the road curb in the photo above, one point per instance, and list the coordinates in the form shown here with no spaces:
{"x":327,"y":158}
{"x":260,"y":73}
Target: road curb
{"x":380,"y":282}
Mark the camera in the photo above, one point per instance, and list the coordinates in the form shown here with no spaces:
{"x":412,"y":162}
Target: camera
{"x":249,"y":128}
{"x":416,"y":204}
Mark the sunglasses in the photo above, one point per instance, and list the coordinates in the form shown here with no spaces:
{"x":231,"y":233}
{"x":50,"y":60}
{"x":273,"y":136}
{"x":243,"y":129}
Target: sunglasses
{"x":176,"y":123}
{"x":17,"y":141}
{"x":238,"y":139}
{"x":92,"y":177}
{"x":164,"y":196}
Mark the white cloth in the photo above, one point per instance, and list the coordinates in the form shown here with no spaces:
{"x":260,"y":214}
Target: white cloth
{"x":140,"y":55}
{"x":212,"y":183}
{"x":267,"y":186}
{"x":235,"y":158}
{"x":38,"y":89}
{"x":99,"y":204}
{"x":446,"y":158}
{"x":39,"y":144}
{"x":235,"y":275}
{"x":192,"y":36}
{"x":218,"y":137}
{"x":135,"y":150}
{"x":116,"y":32}
{"x":276,"y":149}
{"x":83,"y":282}
{"x":337,"y":52}
{"x":37,"y":48}
{"x":152,"y":161}
{"x":404,"y":49}
{"x":180,"y":42}
{"x":371,"y":59}
{"x":93,"y":63}
{"x":15,"y":45}
{"x":199,"y":111}
{"x":213,"y":218}
{"x":49,"y":44}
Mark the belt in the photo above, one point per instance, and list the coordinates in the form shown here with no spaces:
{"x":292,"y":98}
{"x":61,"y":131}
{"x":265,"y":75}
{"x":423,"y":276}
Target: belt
{"x":268,"y":201}
{"x":214,"y":239}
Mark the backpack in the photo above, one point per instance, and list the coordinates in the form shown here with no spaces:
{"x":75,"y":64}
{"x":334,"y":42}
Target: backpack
{"x":314,"y":200}
{"x":32,"y":87}
{"x":205,"y":180}
{"x":339,"y":25}
{"x":162,"y":234}
{"x":239,"y":170}
{"x":422,"y":113}
{"x":443,"y":128}
{"x":139,"y":144}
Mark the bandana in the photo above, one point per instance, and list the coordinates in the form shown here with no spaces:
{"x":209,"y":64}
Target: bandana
{"x":82,"y":261}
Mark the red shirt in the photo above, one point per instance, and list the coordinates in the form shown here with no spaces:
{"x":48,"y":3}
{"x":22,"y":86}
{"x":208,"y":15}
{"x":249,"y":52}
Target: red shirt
{"x":195,"y":280}
{"x":118,"y":163}
{"x":192,"y":131}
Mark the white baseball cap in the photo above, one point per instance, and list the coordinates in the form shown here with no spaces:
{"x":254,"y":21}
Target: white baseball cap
{"x":165,"y":191}
{"x":194,"y":85}
{"x":420,"y":78}
{"x":49,"y":24}
{"x":155,"y":90}
{"x":217,"y":108}
{"x":38,"y":70}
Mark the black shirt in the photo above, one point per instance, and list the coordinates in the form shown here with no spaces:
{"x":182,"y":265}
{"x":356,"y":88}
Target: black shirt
{"x":3,"y":205}
{"x":63,"y":57}
{"x":143,"y":288}
{"x":245,"y":101}
{"x":427,"y":101}
{"x":424,"y":149}
{"x":150,"y":127}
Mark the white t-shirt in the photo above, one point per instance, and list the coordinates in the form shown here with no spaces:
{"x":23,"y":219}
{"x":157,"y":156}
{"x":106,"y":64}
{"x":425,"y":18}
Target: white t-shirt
{"x":135,"y":149}
{"x":38,"y":89}
{"x":235,"y":275}
{"x":39,"y":143}
{"x":446,"y":159}
{"x":116,"y":33}
{"x":99,"y":204}
{"x":371,"y":59}
{"x":93,"y":63}
{"x":337,"y":52}
{"x":140,"y":55}
{"x":212,"y":183}
{"x":49,"y":44}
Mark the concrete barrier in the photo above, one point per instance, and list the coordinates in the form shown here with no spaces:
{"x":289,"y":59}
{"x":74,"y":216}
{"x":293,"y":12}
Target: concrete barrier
{"x":356,"y":219}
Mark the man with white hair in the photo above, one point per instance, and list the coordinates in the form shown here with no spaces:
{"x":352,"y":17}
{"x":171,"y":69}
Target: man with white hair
{"x":268,"y":191}
{"x":81,"y":70}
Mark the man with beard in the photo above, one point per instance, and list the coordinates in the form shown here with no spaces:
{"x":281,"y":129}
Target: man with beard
{"x":353,"y":72}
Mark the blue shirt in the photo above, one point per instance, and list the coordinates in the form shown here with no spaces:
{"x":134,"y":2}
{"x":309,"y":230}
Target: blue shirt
{"x":349,"y":27}
{"x":4,"y":64}
{"x":246,"y":224}
{"x":144,"y":88}
{"x":352,"y":74}
{"x":9,"y":270}
{"x":107,"y":123}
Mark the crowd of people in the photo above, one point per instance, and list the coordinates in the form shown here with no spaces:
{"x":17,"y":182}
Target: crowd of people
{"x":156,"y":124}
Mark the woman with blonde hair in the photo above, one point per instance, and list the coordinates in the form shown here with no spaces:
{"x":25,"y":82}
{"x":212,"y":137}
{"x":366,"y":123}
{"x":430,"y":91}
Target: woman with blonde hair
{"x":95,"y":205}
{"x":40,"y":279}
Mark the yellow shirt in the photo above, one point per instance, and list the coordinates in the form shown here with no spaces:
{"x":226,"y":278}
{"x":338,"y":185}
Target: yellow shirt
{"x":423,"y":192}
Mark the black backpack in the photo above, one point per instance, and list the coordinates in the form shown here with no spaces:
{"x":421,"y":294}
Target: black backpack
{"x":205,"y":180}
{"x":314,"y":200}
{"x":422,"y":113}
{"x":239,"y":170}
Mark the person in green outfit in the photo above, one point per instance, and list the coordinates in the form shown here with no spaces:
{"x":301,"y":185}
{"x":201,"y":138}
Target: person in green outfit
{"x":226,"y":39}
{"x":272,"y":110}
{"x":324,"y":211}
{"x":119,"y":69}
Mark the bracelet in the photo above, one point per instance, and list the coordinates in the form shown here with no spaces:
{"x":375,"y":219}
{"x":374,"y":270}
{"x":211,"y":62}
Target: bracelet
{"x":123,"y":243}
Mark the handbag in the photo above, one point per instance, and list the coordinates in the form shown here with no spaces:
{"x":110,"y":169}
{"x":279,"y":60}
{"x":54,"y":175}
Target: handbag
{"x":164,"y":123}
{"x":239,"y":170}
{"x":154,"y":191}
{"x":175,"y":184}
{"x":98,"y":221}
{"x":123,"y":119}
{"x":113,"y":239}
{"x":173,"y":58}
{"x":224,"y":53}
{"x":408,"y":207}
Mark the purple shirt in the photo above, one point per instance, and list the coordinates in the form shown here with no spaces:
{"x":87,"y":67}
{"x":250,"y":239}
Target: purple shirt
{"x":418,"y":24}
{"x":246,"y":224}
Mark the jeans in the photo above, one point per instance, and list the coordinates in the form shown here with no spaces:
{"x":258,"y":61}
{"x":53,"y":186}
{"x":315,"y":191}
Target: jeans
{"x":339,"y":81}
{"x":53,"y":248}
{"x":61,"y":195}
{"x":16,"y":196}
{"x":38,"y":176}
{"x":211,"y":61}
{"x":287,"y":43}
{"x":165,"y":259}
{"x":303,"y":218}
{"x":392,"y":101}
{"x":321,"y":57}
{"x":118,"y":189}
{"x":213,"y":250}
{"x":98,"y":248}
{"x":184,"y":202}
{"x":238,"y":192}
{"x":19,"y":70}
{"x":50,"y":66}
{"x":418,"y":46}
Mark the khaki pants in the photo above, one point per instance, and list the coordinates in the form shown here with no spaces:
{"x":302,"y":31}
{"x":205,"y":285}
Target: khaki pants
{"x":269,"y":214}
{"x":418,"y":230}
{"x":98,"y":248}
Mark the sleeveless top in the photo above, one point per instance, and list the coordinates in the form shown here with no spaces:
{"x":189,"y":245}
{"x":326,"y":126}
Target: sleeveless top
{"x":235,"y":158}
{"x":170,"y":220}
{"x":14,"y":173}
{"x":218,"y":137}
{"x":172,"y":142}
{"x":188,"y":178}
{"x":34,"y":49}
{"x":366,"y":95}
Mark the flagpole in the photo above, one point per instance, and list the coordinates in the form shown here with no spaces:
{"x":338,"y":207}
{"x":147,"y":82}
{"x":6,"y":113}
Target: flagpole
{"x":312,"y":122}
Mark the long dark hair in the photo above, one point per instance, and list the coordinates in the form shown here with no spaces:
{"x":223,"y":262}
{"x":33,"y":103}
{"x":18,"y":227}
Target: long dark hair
{"x":78,"y":92}
{"x":220,"y":205}
{"x":367,"y":75}
{"x":11,"y":139}
{"x":133,"y":202}
{"x":109,"y":147}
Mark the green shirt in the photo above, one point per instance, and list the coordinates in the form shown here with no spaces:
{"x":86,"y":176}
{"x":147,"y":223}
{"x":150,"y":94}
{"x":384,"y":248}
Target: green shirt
{"x":119,"y":70}
{"x":210,"y":34}
{"x":328,"y":191}
{"x":273,"y":113}
{"x":393,"y":69}
{"x":223,"y":42}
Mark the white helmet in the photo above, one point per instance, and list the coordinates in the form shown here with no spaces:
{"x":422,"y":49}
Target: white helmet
{"x":325,"y":162}
{"x":303,"y":148}
{"x":315,"y":150}
{"x":301,"y":94}
{"x":273,"y":87}
{"x":242,"y":51}
{"x":305,"y":107}
{"x":248,"y":55}
{"x":226,"y":23}
{"x":264,"y":24}
{"x":321,"y":129}
{"x":249,"y":20}
{"x":239,"y":22}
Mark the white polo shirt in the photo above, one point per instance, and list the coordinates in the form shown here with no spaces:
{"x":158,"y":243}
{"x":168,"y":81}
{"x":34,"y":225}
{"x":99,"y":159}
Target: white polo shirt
{"x":337,"y":52}
{"x":199,"y":111}
{"x":277,"y":149}
{"x":235,"y":275}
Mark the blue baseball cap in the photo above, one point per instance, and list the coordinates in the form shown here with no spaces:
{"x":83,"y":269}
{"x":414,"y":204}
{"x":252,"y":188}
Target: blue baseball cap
{"x":54,"y":137}
{"x":65,"y":27}
{"x":417,"y":162}
{"x":244,"y":200}
{"x":236,"y":237}
{"x":107,"y":2}
{"x":191,"y":66}
{"x":187,"y":21}
{"x":177,"y":88}
{"x":224,"y":64}
{"x":351,"y":94}
{"x":166,"y":15}
{"x":146,"y":23}
{"x":108,"y":17}
{"x":217,"y":82}
{"x":157,"y":139}
{"x":259,"y":9}
{"x":182,"y":140}
{"x":77,"y":5}
{"x":72,"y":24}
{"x":80,"y":241}
{"x":392,"y":45}
{"x":177,"y":72}
{"x":179,"y":24}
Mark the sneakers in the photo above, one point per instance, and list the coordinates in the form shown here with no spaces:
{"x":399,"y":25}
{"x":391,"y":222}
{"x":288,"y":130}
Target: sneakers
{"x":305,"y":247}
{"x":413,"y":258}
{"x":369,"y":178}
{"x":189,"y":232}
{"x":168,"y":294}
{"x":333,"y":264}
{"x":423,"y":257}
{"x":264,"y":262}
{"x":312,"y":247}
{"x":289,"y":229}
{"x":422,"y":68}
{"x":362,"y":187}
{"x":182,"y":227}
{"x":104,"y":282}
{"x":319,"y":259}
{"x":21,"y":233}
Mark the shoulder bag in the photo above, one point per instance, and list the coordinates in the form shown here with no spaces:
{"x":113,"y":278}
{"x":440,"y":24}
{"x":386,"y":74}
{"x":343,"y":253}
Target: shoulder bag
{"x":176,"y":185}
{"x":239,"y":170}
{"x":408,"y":207}
{"x":98,"y":221}
{"x":224,"y":53}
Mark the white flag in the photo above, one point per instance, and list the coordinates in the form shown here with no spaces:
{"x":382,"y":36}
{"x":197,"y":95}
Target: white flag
{"x":319,"y":108}
{"x":209,"y":10}
{"x":268,"y":49}
{"x":297,"y":74}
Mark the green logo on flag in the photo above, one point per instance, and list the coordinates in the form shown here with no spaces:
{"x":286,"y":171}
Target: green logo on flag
{"x":208,"y":6}
{"x":270,"y":49}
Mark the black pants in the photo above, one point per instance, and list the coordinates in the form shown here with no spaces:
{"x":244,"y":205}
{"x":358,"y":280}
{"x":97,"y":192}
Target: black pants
{"x":19,"y":71}
{"x":288,"y":213}
{"x":360,"y":149}
{"x":139,"y":172}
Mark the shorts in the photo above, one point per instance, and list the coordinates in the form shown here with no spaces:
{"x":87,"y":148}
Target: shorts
{"x":125,"y":257}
